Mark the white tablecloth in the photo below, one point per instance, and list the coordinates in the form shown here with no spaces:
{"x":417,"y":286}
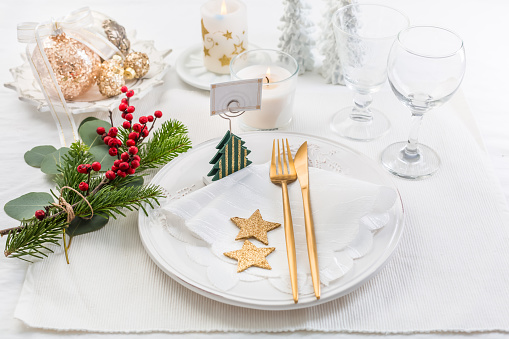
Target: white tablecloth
{"x":175,"y":26}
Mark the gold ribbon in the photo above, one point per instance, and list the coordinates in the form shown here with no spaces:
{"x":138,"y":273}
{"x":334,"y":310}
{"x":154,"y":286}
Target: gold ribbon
{"x":68,"y":209}
{"x":79,"y":26}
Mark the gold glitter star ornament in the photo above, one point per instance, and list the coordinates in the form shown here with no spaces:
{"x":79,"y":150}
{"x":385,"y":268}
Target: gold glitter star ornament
{"x":254,"y":227}
{"x":250,"y":255}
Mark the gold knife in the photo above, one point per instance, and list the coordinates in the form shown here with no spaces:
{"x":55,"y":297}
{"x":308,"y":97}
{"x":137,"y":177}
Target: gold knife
{"x":301,"y":166}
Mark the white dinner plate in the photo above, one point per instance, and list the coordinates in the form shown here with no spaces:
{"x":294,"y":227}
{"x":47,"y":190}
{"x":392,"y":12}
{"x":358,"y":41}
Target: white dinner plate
{"x":185,"y":174}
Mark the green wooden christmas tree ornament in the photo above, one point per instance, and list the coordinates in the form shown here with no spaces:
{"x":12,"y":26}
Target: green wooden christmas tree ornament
{"x":230,"y":157}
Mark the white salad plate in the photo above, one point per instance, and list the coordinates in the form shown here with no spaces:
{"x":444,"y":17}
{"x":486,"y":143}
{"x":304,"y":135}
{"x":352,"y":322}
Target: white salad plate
{"x":185,"y":174}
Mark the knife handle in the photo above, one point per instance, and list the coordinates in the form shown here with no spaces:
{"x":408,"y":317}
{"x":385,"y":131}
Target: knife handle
{"x":311,"y":242}
{"x":290,"y":242}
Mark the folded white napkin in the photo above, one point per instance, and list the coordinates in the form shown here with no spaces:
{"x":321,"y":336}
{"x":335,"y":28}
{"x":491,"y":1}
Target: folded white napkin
{"x":346,"y":213}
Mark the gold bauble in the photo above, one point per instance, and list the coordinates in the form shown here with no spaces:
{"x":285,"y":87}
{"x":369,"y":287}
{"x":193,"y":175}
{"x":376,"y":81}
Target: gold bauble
{"x":111,"y":77}
{"x":139,"y":62}
{"x":75,"y":65}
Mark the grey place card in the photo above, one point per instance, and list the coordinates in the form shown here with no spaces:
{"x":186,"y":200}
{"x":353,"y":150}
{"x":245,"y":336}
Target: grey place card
{"x":241,"y":95}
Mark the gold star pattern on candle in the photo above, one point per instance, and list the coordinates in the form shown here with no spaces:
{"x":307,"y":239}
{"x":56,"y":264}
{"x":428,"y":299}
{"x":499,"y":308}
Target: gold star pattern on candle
{"x":250,"y":255}
{"x":254,"y":227}
{"x":239,"y":48}
{"x":203,"y":30}
{"x":225,"y":61}
{"x":228,"y":35}
{"x":206,"y":51}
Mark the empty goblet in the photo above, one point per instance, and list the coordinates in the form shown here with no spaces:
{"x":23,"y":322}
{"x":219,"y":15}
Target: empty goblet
{"x":364,"y":36}
{"x":426,"y":66}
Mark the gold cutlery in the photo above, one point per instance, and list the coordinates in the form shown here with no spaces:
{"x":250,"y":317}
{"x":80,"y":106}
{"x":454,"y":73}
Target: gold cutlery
{"x":281,"y":174}
{"x":301,"y":167}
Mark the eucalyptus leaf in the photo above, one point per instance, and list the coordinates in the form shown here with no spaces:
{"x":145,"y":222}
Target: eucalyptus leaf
{"x":101,"y":154}
{"x":35,"y":155}
{"x":81,"y":226}
{"x":88,"y":132}
{"x":24,"y":207}
{"x":50,"y":163}
{"x":86,"y":120}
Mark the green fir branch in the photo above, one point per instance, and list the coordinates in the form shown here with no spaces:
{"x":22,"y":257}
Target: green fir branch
{"x":167,"y":142}
{"x":34,"y":237}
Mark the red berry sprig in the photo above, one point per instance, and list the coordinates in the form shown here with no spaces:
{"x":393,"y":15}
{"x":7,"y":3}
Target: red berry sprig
{"x":127,"y":159}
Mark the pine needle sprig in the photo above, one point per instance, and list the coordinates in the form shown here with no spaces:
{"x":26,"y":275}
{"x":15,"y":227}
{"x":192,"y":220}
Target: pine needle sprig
{"x":35,"y":236}
{"x":166,"y":143}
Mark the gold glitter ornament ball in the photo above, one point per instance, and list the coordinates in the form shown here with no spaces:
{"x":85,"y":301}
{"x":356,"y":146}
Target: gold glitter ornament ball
{"x":76,"y":66}
{"x":138,"y":62}
{"x":111,"y":77}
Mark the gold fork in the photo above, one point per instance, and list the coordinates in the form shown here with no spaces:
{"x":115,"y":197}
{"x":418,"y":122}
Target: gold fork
{"x":281,"y":174}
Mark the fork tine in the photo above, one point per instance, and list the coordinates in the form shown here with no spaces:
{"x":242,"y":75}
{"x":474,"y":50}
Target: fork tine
{"x":273,"y":161}
{"x":284,"y":157}
{"x":279,"y":167}
{"x":291,"y":166}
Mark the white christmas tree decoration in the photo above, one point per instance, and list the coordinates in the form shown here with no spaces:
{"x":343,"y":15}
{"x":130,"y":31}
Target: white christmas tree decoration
{"x":331,"y":66}
{"x":297,"y":28}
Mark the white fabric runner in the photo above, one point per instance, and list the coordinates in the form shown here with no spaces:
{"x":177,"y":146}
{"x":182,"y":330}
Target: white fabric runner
{"x":448,"y":274}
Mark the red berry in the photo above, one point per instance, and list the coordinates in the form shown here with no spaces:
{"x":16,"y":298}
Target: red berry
{"x":110,"y":175}
{"x":125,"y":156}
{"x":123,"y":89}
{"x":124,"y":166}
{"x":117,"y":162}
{"x":150,"y":118}
{"x":96,"y":166}
{"x":113,"y":151}
{"x":137,"y":127}
{"x":114,"y":168}
{"x":112,"y":142}
{"x":126,"y":124}
{"x":133,"y":149}
{"x":119,"y":142}
{"x":137,"y":158}
{"x":123,"y":115}
{"x":143,"y":120}
{"x":113,"y":132}
{"x":122,"y":107}
{"x":129,"y":93}
{"x":135,"y":164}
{"x":130,"y":109}
{"x":88,"y":167}
{"x":133,"y":135}
{"x":100,"y":130}
{"x":124,"y":100}
{"x":40,"y":214}
{"x":144,"y":133}
{"x":121,"y":174}
{"x":129,"y":116}
{"x":82,"y":169}
{"x":107,"y":139}
{"x":83,"y":186}
{"x":131,"y":171}
{"x":158,"y":114}
{"x":130,"y":142}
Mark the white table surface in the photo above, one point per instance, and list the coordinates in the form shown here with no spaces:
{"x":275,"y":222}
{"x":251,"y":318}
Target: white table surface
{"x":175,"y":24}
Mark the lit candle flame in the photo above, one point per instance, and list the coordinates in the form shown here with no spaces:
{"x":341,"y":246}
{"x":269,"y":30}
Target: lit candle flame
{"x":267,"y":75}
{"x":223,"y":8}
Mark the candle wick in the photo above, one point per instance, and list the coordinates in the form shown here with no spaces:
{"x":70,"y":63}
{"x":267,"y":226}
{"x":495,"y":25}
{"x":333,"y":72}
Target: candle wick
{"x":268,"y":81}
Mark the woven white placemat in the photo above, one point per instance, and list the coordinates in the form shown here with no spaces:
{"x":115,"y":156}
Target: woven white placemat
{"x":448,"y":274}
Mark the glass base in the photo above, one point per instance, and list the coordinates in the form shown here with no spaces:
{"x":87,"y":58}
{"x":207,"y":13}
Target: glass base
{"x":424,"y":163}
{"x":246,"y":128}
{"x":352,"y":125}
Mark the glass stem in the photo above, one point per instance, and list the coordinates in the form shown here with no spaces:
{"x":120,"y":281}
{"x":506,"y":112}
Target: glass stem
{"x":411,"y":150}
{"x":361,"y":111}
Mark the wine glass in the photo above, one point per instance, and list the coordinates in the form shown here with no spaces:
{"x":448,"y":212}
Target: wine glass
{"x":364,"y":36}
{"x":425,"y":68}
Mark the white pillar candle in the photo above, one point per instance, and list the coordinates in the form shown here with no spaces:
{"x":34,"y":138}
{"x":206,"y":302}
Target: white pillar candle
{"x":224,"y":33}
{"x":277,"y":96}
